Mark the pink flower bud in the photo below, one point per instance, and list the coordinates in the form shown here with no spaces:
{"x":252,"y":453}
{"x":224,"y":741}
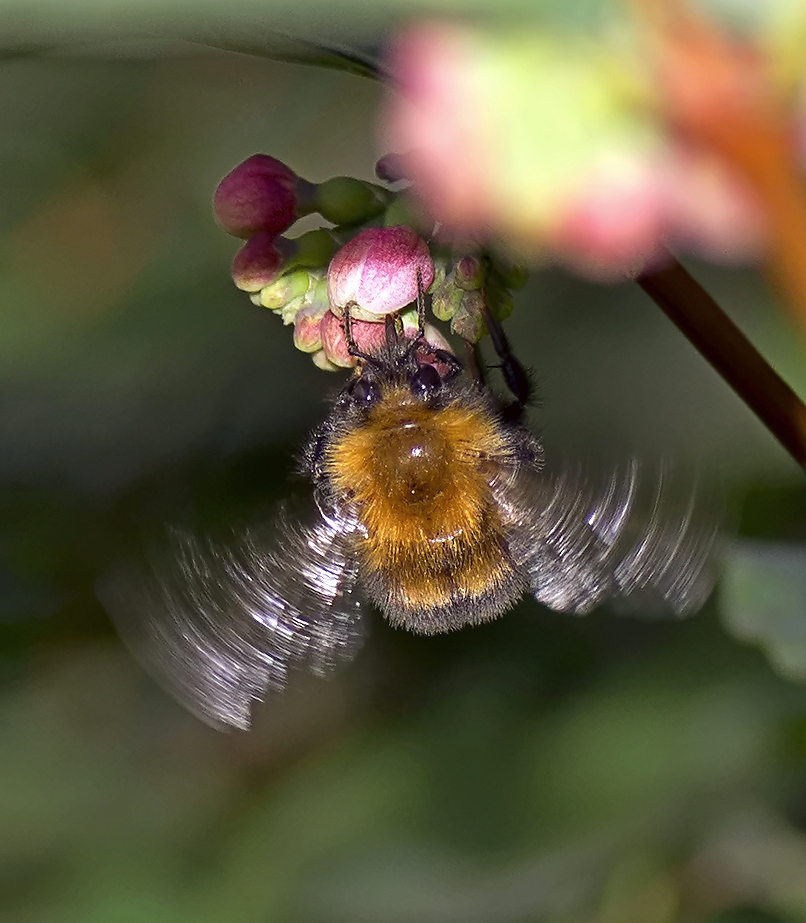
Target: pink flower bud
{"x":390,"y":168}
{"x":261,"y":194}
{"x":307,"y":333}
{"x":260,"y":261}
{"x":308,"y":327}
{"x":321,"y":361}
{"x":369,"y":337}
{"x":375,"y":273}
{"x":468,"y":322}
{"x":469,"y":274}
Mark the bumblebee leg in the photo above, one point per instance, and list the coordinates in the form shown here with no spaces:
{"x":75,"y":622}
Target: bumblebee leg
{"x":352,"y":346}
{"x":515,"y":375}
{"x":392,"y":330}
{"x":474,"y":363}
{"x":420,"y":306}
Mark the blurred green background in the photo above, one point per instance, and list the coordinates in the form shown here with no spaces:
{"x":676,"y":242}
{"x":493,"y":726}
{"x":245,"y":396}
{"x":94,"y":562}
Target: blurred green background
{"x":541,"y":768}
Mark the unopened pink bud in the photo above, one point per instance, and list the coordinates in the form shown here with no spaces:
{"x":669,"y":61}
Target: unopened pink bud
{"x":390,"y":168}
{"x":375,"y":273}
{"x":369,"y":338}
{"x":261,"y":194}
{"x":321,"y":361}
{"x":260,"y":261}
{"x":307,"y":327}
{"x":469,"y":274}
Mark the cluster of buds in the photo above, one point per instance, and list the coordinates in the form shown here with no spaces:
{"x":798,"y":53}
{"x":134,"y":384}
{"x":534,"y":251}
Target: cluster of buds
{"x":368,"y":261}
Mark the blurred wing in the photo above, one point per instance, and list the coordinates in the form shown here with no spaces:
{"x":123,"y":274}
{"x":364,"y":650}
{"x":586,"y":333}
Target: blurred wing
{"x":220,"y":624}
{"x":642,"y":537}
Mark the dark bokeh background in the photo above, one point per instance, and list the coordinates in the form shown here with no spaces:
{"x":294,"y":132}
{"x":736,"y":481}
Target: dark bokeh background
{"x":538,"y":769}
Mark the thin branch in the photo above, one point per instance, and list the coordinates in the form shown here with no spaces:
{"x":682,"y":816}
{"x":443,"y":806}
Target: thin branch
{"x":720,"y":341}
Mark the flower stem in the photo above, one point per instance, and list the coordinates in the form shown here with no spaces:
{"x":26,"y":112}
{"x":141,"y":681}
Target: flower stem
{"x":728,"y":350}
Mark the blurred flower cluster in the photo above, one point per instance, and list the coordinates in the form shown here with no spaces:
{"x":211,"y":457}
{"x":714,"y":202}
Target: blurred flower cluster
{"x":368,"y":261}
{"x":663,"y":126}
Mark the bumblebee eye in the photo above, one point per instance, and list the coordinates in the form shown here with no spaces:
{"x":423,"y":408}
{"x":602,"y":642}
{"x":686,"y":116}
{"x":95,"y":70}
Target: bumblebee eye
{"x":365,"y":392}
{"x":425,"y":381}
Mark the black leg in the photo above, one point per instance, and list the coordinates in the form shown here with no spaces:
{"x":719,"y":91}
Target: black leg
{"x":419,"y":341}
{"x":515,"y":375}
{"x":420,"y":306}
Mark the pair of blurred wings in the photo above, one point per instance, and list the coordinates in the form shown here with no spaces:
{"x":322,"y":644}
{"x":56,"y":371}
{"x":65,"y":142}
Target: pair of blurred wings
{"x":220,"y":624}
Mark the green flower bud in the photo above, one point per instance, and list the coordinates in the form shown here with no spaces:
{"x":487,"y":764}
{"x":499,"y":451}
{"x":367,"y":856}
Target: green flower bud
{"x":345,"y":200}
{"x":277,"y":294}
{"x":290,"y":309}
{"x":313,"y":250}
{"x":469,"y":274}
{"x":468,"y":322}
{"x":512,"y":275}
{"x":405,"y":209}
{"x":446,"y":300}
{"x":499,"y":297}
{"x":501,"y":305}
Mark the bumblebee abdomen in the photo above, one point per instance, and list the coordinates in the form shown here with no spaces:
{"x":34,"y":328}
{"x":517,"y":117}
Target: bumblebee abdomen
{"x":462,"y":581}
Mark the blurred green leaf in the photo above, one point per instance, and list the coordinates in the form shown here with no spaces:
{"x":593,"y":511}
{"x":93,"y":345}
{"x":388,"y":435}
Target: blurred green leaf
{"x":746,"y":915}
{"x":763,"y":600}
{"x":265,"y":27}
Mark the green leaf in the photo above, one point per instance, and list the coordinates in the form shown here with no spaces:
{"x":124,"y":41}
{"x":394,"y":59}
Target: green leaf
{"x":763,"y":600}
{"x":275,"y":28}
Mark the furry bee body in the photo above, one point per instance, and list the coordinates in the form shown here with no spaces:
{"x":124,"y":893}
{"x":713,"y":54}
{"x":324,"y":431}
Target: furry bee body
{"x":417,"y":468}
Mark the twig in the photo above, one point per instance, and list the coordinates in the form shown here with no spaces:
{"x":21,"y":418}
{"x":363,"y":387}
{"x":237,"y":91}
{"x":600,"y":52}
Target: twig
{"x":720,"y":341}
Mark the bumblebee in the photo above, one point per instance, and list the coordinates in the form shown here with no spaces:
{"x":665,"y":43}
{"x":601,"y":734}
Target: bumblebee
{"x":433,"y":502}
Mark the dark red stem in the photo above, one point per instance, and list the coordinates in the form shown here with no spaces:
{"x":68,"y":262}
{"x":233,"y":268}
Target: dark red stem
{"x":728,"y":350}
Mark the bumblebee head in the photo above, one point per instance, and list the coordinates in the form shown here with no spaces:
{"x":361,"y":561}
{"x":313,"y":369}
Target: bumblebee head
{"x":413,"y":368}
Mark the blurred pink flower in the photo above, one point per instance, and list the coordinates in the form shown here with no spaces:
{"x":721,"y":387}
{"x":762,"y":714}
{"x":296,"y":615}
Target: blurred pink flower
{"x":375,"y":273}
{"x":623,"y":213}
{"x":436,"y":125}
{"x":538,"y":144}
